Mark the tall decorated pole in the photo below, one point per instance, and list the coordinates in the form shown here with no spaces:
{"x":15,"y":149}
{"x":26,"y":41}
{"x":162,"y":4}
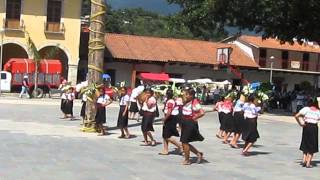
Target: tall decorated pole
{"x":95,"y":60}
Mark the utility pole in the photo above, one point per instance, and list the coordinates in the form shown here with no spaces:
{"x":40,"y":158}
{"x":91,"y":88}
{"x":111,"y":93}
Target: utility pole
{"x":95,"y":57}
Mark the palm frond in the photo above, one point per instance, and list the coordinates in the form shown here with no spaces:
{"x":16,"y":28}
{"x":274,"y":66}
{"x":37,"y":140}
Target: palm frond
{"x":52,"y":53}
{"x":32,"y":48}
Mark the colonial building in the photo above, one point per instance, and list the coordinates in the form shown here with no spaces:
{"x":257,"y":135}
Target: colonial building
{"x":50,"y":23}
{"x":290,"y":63}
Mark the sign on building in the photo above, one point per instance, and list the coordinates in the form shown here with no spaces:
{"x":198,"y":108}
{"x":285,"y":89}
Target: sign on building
{"x":295,"y":64}
{"x":223,"y":55}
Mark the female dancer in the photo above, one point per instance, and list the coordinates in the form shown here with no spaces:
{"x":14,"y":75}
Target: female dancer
{"x":218,"y":108}
{"x":238,"y":121}
{"x":309,"y":142}
{"x":250,"y":132}
{"x":83,"y":108}
{"x":123,"y":113}
{"x":191,"y":113}
{"x":69,"y":103}
{"x":102,"y":101}
{"x":170,"y":121}
{"x":226,"y":110}
{"x":148,"y":114}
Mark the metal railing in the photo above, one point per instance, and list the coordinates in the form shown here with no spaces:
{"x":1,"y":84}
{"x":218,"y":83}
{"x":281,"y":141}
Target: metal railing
{"x":14,"y":24}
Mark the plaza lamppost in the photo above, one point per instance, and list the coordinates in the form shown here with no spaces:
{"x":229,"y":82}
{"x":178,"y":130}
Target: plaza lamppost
{"x":271,"y":66}
{"x":1,"y":53}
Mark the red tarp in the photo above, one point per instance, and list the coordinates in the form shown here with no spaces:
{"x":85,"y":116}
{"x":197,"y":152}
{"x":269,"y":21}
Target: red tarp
{"x":16,"y":65}
{"x":19,"y":65}
{"x":154,"y":76}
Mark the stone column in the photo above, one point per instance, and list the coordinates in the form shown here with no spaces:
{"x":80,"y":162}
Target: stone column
{"x":72,"y":73}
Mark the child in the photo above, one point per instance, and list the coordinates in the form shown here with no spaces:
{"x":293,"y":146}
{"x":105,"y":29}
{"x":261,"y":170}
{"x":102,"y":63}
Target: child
{"x":218,"y":108}
{"x":123,"y":113}
{"x":69,"y":103}
{"x":309,"y":142}
{"x":238,"y":121}
{"x":148,"y":114}
{"x":170,"y":120}
{"x":250,"y":132}
{"x":226,"y":110}
{"x":102,"y":101}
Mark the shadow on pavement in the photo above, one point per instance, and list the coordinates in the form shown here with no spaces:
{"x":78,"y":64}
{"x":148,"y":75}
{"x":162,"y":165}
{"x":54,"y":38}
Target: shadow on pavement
{"x":255,"y":153}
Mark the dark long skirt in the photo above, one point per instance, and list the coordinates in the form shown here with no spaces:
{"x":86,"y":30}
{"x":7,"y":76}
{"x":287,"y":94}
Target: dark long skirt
{"x":220,"y":120}
{"x":101,"y":115}
{"x":147,"y":122}
{"x":190,"y":131}
{"x":69,"y":107}
{"x":228,"y":122}
{"x":122,"y":120}
{"x":250,"y":132}
{"x":134,"y":107}
{"x":63,"y":105}
{"x":170,"y":127}
{"x":309,"y":142}
{"x":238,"y":120}
{"x":83,"y":109}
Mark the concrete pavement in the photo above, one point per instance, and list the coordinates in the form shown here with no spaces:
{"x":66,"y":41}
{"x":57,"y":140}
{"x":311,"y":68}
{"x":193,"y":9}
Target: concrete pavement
{"x":36,"y":144}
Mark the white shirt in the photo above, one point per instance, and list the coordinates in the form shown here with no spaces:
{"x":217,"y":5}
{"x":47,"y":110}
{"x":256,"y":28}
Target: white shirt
{"x":238,"y":106}
{"x":300,"y":99}
{"x":70,"y":96}
{"x":63,"y":96}
{"x":103,"y":99}
{"x":124,"y":100}
{"x":310,"y":115}
{"x":135,"y":93}
{"x":171,"y":103}
{"x":151,"y":102}
{"x":190,"y":109}
{"x":84,"y":98}
{"x":250,"y":110}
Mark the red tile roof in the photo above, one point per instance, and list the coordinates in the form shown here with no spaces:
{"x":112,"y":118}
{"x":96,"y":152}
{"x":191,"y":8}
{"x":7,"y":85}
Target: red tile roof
{"x":275,"y":44}
{"x":144,"y":48}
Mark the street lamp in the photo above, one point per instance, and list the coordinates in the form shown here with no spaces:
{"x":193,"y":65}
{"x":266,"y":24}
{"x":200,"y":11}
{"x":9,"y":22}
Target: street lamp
{"x":271,"y":66}
{"x":1,"y":53}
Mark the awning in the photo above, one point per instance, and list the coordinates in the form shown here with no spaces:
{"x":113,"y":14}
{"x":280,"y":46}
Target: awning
{"x":154,"y":76}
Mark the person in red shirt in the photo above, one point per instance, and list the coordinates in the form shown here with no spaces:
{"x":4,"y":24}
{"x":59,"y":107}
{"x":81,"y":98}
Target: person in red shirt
{"x":170,"y":120}
{"x":218,"y":108}
{"x":191,"y":113}
{"x":226,"y":109}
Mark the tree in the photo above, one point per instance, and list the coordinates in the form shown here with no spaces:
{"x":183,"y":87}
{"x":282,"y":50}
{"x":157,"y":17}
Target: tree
{"x":284,"y":19}
{"x":37,"y":59}
{"x":95,"y":60}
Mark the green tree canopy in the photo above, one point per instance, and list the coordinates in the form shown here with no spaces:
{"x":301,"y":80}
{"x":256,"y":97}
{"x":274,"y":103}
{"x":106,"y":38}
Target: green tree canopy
{"x":284,"y":19}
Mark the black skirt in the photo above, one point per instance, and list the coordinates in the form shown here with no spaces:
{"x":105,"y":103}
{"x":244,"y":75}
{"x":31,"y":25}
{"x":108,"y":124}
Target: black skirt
{"x":190,"y":131}
{"x":309,"y":142}
{"x":68,"y":107}
{"x":83,"y":109}
{"x":122,"y":120}
{"x":63,"y":105}
{"x":238,"y":120}
{"x":170,"y":127}
{"x":228,"y":122}
{"x":147,"y":122}
{"x":134,"y":107}
{"x":101,"y":115}
{"x":250,"y":132}
{"x":220,"y":120}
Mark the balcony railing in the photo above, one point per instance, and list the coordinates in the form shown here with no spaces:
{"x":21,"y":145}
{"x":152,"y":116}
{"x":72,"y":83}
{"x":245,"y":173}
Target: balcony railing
{"x":293,"y":65}
{"x":14,"y":24}
{"x":54,"y":27}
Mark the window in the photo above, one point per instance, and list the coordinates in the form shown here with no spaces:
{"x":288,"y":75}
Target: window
{"x":263,"y":53}
{"x":285,"y":57}
{"x":54,"y":8}
{"x":305,"y":61}
{"x":13,"y":9}
{"x":262,"y":59}
{"x":3,"y":76}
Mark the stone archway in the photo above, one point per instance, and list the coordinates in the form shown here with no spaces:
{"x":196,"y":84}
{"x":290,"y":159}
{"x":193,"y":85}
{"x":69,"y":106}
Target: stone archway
{"x":13,"y":50}
{"x":56,"y":53}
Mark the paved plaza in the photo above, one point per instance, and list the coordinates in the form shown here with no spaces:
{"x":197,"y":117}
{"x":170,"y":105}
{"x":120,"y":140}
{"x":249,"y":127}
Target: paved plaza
{"x":36,"y":144}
